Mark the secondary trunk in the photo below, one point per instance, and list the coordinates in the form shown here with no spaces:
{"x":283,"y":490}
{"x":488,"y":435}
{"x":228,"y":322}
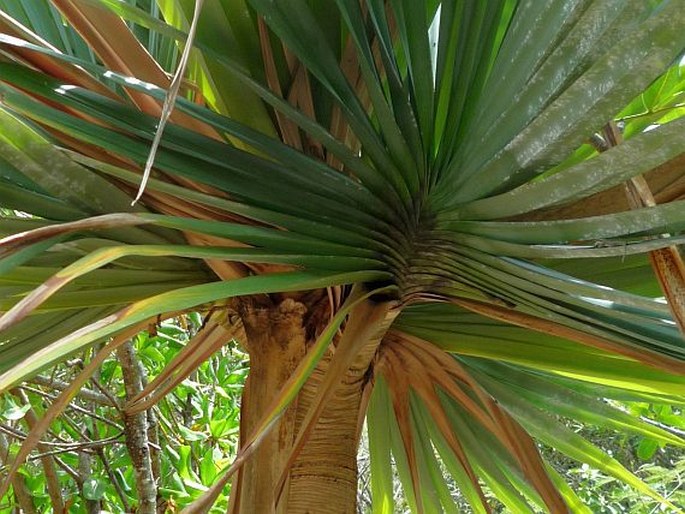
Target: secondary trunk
{"x":323,"y":478}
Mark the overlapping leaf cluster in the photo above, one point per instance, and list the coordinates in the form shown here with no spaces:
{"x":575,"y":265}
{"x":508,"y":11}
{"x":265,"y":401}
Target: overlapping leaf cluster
{"x":464,"y":156}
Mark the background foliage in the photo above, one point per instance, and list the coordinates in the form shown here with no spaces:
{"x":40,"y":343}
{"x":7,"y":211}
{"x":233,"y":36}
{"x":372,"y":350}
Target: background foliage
{"x":197,"y":428}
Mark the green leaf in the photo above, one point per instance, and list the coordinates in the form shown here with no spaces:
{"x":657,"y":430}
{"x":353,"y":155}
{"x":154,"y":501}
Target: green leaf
{"x":647,"y":448}
{"x":208,"y":467}
{"x":13,"y":412}
{"x":229,"y":30}
{"x":191,"y":435}
{"x":380,"y":449}
{"x":178,"y":300}
{"x":635,"y":156}
{"x":619,"y":74}
{"x":94,"y":489}
{"x":565,"y":440}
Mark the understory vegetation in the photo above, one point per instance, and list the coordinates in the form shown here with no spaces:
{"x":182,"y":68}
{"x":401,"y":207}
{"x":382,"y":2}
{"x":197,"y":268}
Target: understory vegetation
{"x":193,"y":433}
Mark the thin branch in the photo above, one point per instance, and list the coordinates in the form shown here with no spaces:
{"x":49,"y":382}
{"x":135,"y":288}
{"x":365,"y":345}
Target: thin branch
{"x":21,"y":491}
{"x":60,"y":385}
{"x":136,"y":430}
{"x":67,"y":469}
{"x":64,"y":446}
{"x":105,"y":391}
{"x":64,"y":398}
{"x":155,"y":448}
{"x":112,"y":478}
{"x":51,"y":479}
{"x":88,"y":446}
{"x":85,"y":462}
{"x":85,"y":470}
{"x":12,"y":431}
{"x":75,"y":407}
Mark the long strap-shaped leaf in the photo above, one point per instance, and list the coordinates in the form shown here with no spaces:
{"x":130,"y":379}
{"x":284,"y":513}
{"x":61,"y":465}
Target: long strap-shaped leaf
{"x":57,"y":68}
{"x":353,"y":163}
{"x":623,"y":71}
{"x":544,"y":392}
{"x":170,"y":100}
{"x":223,"y":28}
{"x":424,"y":382}
{"x":202,"y":345}
{"x":468,"y":334}
{"x":416,"y":359}
{"x":667,"y":262}
{"x":118,"y":48}
{"x":514,"y":98}
{"x":520,"y":319}
{"x":294,"y":24}
{"x":107,"y":255}
{"x":564,"y":439}
{"x":281,"y":401}
{"x":507,"y":431}
{"x":637,"y":155}
{"x":643,"y":221}
{"x":307,"y":227}
{"x":243,"y":169}
{"x":178,"y":300}
{"x":606,"y":320}
{"x":399,"y":393}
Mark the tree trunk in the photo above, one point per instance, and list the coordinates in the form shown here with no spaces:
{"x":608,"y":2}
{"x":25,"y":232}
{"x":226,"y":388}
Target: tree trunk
{"x":276,"y":341}
{"x":323,"y":478}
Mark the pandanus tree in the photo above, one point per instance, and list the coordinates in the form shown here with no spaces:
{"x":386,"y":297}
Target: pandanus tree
{"x":453,"y":222}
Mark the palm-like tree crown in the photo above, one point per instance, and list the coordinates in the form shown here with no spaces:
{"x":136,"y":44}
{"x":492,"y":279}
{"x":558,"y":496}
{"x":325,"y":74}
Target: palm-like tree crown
{"x":496,"y":186}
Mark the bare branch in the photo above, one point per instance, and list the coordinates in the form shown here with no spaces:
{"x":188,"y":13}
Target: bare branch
{"x":54,"y":489}
{"x":67,"y":469}
{"x":136,"y":430}
{"x":85,"y":470}
{"x":60,"y":385}
{"x":75,"y":407}
{"x":21,"y":492}
{"x":112,"y":478}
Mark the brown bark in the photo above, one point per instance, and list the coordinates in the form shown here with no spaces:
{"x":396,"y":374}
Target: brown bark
{"x":136,"y":431}
{"x":323,"y":477}
{"x":276,"y":340}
